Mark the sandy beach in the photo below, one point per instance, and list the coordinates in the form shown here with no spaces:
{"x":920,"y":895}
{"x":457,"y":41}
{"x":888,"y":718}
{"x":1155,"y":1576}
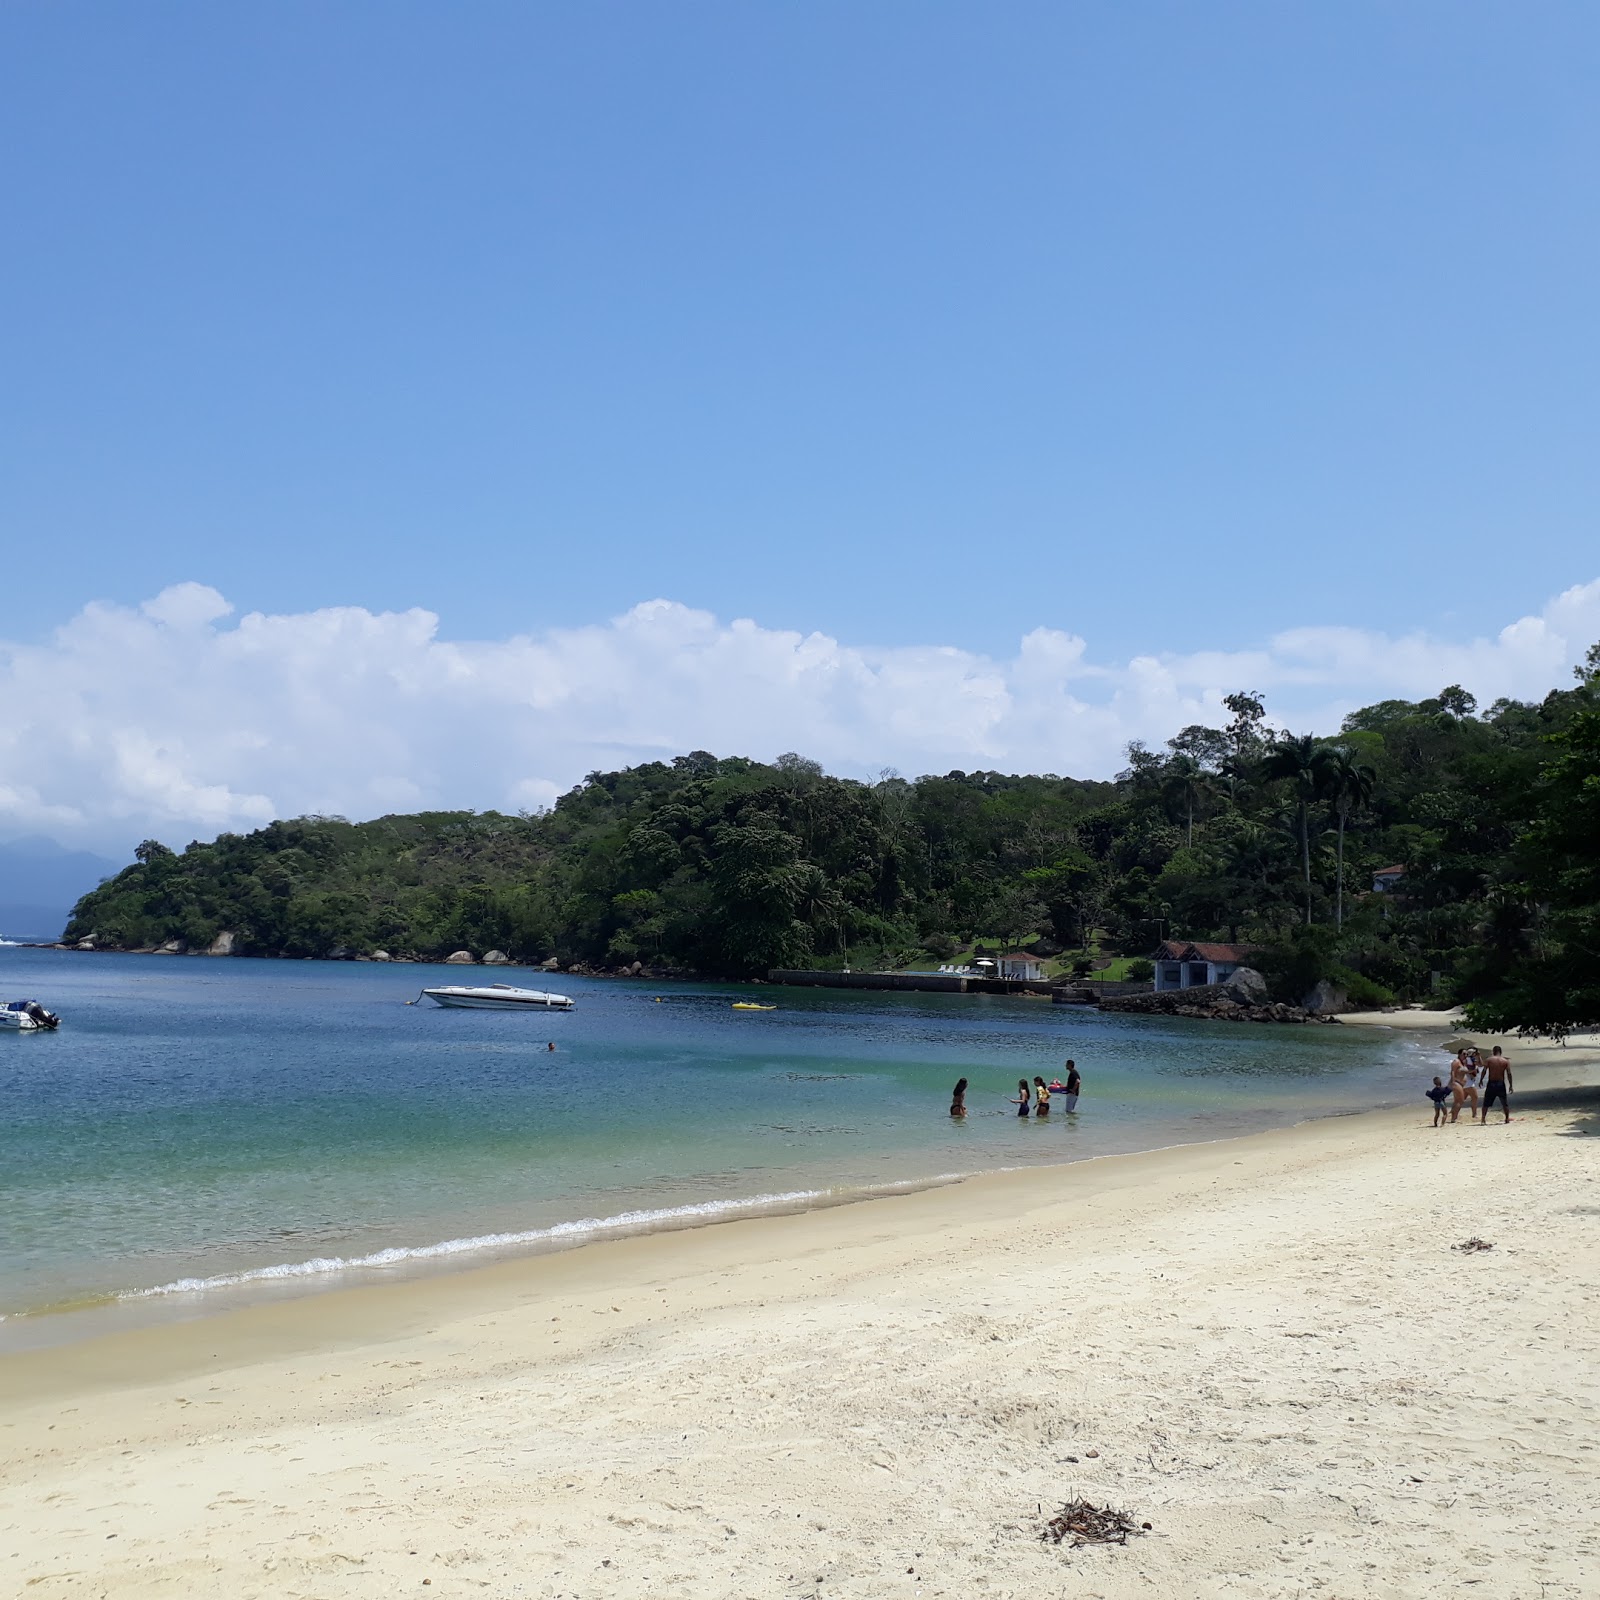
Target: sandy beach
{"x":1268,"y":1348}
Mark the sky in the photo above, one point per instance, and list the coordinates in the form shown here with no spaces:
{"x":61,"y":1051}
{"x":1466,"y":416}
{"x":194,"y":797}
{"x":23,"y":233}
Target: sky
{"x":413,"y":404}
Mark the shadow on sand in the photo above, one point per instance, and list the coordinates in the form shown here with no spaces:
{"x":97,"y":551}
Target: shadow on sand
{"x":1582,"y":1097}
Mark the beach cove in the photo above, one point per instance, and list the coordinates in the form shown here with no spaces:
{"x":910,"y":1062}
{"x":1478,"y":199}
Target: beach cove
{"x":200,"y":1132}
{"x":1267,"y":1347}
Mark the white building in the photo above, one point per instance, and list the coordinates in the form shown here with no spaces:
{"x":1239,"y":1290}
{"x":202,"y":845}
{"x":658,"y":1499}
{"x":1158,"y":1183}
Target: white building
{"x":1182,"y":964}
{"x":1022,"y":967}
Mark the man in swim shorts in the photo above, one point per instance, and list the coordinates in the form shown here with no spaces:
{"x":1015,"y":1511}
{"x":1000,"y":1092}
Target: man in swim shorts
{"x":1498,"y":1087}
{"x":1069,"y":1099}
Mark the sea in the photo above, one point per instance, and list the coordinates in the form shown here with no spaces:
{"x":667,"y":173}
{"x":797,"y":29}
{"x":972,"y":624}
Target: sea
{"x":202,"y":1131}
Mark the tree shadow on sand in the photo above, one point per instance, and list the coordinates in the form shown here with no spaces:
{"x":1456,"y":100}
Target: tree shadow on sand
{"x":1580,"y":1097}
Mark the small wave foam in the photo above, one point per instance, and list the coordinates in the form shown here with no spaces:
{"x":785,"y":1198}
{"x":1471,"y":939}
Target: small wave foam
{"x":582,"y":1231}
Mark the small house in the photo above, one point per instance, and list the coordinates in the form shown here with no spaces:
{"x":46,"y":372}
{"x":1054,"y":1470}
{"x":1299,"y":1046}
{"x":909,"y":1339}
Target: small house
{"x":1387,"y":879}
{"x":1021,"y":966}
{"x":1183,"y":964}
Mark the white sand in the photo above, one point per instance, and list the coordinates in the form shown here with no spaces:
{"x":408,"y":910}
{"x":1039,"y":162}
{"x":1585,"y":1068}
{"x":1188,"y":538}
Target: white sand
{"x":1270,"y":1343}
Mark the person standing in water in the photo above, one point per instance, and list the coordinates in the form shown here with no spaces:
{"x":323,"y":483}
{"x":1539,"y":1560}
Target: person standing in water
{"x":958,"y":1099}
{"x":1069,"y":1100}
{"x":1041,"y":1098}
{"x":1023,"y":1097}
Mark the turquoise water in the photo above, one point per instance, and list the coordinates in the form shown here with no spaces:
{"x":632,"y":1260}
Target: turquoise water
{"x":197,"y":1124}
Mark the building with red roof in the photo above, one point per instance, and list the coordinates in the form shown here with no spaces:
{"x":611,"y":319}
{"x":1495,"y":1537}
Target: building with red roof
{"x":1185,"y":964}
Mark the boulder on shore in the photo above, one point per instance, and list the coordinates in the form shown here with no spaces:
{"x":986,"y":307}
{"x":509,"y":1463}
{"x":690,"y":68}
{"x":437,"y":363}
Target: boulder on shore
{"x":496,"y":958}
{"x":173,"y":947}
{"x":380,"y":955}
{"x":1213,"y":1001}
{"x":222,"y":945}
{"x":459,"y":958}
{"x":86,"y":944}
{"x":1247,"y":986}
{"x":1326,"y":998}
{"x":550,"y":964}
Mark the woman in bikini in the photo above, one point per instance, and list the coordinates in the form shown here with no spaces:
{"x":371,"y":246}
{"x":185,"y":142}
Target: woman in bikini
{"x":1041,"y":1098}
{"x":1023,"y":1097}
{"x":1463,"y":1087}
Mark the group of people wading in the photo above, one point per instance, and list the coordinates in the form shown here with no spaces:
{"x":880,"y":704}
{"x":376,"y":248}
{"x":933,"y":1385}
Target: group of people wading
{"x":1031,"y":1099}
{"x":1470,"y":1074}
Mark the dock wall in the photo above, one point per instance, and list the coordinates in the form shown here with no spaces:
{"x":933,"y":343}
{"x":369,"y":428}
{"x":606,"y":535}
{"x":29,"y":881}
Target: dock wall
{"x":926,"y":982}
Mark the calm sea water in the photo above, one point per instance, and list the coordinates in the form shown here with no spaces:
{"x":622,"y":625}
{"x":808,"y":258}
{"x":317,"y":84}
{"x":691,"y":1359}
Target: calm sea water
{"x":196,"y":1125}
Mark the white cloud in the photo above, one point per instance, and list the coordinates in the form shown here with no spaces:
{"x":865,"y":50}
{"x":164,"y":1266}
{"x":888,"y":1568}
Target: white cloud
{"x":172,"y":720}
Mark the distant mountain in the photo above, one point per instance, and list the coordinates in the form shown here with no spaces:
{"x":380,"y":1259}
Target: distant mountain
{"x":41,"y":881}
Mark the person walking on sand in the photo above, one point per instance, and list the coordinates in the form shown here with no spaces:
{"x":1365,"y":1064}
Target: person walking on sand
{"x":1463,"y":1088}
{"x":1023,"y":1097}
{"x":1041,"y":1097}
{"x":1498,"y":1086}
{"x":1439,"y":1093}
{"x":1069,"y":1099}
{"x":958,"y":1099}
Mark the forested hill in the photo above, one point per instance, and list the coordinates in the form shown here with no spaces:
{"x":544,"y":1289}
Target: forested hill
{"x":731,"y":866}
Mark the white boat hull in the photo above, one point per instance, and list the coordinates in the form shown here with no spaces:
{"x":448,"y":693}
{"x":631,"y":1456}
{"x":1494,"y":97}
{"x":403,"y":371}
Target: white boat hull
{"x":498,"y":997}
{"x":26,"y":1016}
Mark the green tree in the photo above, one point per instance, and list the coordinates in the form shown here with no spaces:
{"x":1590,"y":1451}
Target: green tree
{"x":1556,"y":989}
{"x":1185,"y":785}
{"x":1349,"y":782}
{"x":1303,"y":764}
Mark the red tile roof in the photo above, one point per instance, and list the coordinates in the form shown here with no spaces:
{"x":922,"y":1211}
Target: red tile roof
{"x":1390,"y":872}
{"x":1187,"y":950}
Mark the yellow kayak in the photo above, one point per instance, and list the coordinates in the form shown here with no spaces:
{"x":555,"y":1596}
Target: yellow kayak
{"x":750,"y":1005}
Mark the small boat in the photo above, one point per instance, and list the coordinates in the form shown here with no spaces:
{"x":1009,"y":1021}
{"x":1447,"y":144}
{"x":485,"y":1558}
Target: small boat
{"x":495,"y":997}
{"x":750,"y":1005}
{"x":27,"y":1016}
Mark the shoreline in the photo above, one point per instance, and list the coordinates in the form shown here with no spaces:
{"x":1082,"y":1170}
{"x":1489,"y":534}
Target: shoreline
{"x":203,"y":1297}
{"x":1236,"y":1340}
{"x":440,"y":1265}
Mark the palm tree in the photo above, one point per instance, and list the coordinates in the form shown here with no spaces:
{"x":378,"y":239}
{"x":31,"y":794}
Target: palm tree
{"x":1186,"y":784}
{"x":1349,"y":785}
{"x":1304,"y":764}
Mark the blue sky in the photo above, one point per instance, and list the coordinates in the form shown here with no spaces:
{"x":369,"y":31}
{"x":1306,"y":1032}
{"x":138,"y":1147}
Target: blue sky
{"x":1164,"y":326}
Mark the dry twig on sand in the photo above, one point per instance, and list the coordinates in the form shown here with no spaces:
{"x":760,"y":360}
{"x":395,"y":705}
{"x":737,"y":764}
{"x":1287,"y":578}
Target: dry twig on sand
{"x":1085,"y":1524}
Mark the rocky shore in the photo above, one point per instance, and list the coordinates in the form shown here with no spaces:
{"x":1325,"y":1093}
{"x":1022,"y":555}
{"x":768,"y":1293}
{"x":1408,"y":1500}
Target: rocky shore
{"x":1243,"y":998}
{"x":226,"y":944}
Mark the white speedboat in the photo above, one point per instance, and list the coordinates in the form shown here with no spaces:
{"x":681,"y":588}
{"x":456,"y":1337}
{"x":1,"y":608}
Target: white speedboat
{"x":27,"y":1016}
{"x":497,"y":997}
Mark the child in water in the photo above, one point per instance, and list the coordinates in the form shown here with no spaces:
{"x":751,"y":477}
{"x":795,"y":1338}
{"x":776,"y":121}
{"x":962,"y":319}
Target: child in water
{"x":958,"y":1099}
{"x":1041,"y":1096}
{"x":1023,"y":1097}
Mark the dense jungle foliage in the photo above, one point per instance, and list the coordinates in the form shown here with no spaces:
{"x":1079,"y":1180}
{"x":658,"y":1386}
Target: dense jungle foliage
{"x":731,"y":867}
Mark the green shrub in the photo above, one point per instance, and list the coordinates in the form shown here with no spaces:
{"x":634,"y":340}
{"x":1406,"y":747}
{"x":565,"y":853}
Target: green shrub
{"x":1140,"y":970}
{"x":1296,"y":965}
{"x":1364,"y":993}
